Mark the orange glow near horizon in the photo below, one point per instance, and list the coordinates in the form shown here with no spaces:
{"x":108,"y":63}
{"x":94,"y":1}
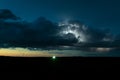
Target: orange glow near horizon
{"x":21,"y":52}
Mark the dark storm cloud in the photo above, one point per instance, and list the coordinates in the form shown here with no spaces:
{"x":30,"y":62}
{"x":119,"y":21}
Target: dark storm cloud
{"x":43,"y":33}
{"x":7,"y":14}
{"x":88,"y":34}
{"x":39,"y":33}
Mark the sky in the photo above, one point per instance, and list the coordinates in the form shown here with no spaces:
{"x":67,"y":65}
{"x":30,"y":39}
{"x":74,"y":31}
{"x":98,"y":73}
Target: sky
{"x":95,"y":12}
{"x":99,"y":15}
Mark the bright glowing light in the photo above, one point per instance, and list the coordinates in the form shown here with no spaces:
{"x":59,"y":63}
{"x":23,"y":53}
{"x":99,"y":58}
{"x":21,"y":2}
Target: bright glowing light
{"x":75,"y":29}
{"x":54,"y":57}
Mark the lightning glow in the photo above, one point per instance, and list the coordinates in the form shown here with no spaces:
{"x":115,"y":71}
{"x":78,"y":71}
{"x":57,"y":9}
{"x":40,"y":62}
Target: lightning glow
{"x":73,"y":29}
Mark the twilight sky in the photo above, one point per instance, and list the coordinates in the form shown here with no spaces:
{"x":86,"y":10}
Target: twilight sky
{"x":100,"y":13}
{"x":96,"y":18}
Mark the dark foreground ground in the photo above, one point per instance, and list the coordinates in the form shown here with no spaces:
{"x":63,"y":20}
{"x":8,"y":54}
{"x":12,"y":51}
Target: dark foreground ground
{"x":60,"y":64}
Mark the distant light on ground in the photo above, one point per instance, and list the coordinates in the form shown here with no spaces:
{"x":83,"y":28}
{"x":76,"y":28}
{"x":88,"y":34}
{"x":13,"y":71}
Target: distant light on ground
{"x":54,"y":57}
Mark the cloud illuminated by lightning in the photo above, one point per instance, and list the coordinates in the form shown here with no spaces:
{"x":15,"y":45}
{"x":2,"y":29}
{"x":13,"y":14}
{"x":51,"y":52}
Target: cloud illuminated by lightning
{"x":73,"y":29}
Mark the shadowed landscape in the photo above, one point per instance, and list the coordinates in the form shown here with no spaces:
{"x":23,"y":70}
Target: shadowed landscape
{"x":60,"y":64}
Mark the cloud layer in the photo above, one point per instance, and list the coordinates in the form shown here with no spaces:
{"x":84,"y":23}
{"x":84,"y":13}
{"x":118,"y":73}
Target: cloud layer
{"x":45,"y":34}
